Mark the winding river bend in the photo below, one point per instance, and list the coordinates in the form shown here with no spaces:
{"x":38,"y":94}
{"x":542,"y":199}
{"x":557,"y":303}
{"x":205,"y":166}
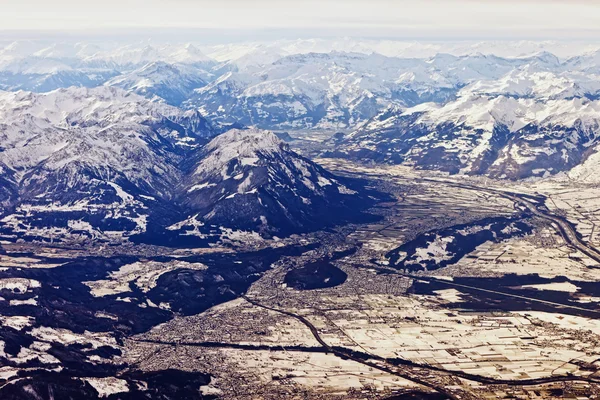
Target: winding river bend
{"x":532,"y":205}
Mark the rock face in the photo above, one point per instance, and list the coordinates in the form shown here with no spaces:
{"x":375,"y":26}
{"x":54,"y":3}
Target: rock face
{"x":104,"y":163}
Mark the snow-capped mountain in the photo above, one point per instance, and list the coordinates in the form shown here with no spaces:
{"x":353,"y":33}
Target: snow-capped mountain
{"x":340,"y":90}
{"x":517,"y":114}
{"x":251,"y":180}
{"x":33,"y":67}
{"x":283,"y":85}
{"x":103,"y":163}
{"x":46,"y":82}
{"x":501,"y":136}
{"x":587,"y":62}
{"x":402,"y":49}
{"x":300,"y":91}
{"x":171,"y":82}
{"x":529,"y":82}
{"x":91,"y":157}
{"x":136,"y":54}
{"x":130,"y":57}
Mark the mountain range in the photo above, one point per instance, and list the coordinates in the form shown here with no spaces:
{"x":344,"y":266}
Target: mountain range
{"x":106,"y":164}
{"x":526,"y":124}
{"x":506,"y":110}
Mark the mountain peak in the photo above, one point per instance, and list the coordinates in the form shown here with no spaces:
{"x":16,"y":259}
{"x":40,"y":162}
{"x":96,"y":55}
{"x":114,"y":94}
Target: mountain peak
{"x":189,"y":54}
{"x":246,"y":141}
{"x":251,"y":180}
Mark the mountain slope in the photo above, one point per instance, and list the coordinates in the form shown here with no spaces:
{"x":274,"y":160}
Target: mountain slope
{"x":91,"y":159}
{"x":54,"y":80}
{"x":173,"y":83}
{"x":133,"y":56}
{"x":302,"y":91}
{"x":530,"y":82}
{"x":104,"y":164}
{"x":251,"y":180}
{"x":499,"y":136}
{"x":340,"y":90}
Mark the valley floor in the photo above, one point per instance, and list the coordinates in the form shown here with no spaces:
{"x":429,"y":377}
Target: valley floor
{"x":467,"y":288}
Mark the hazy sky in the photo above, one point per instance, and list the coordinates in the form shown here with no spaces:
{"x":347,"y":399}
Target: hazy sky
{"x":385,"y":18}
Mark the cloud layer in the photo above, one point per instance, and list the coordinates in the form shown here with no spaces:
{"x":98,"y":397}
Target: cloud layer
{"x":398,"y":18}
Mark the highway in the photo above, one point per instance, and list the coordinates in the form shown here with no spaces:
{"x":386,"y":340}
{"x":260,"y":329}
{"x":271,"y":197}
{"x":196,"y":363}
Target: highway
{"x":363,"y":358}
{"x":566,"y":230}
{"x":563,"y":227}
{"x":416,"y":372}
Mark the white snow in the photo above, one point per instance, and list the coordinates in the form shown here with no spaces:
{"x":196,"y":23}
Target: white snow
{"x":21,"y":285}
{"x":108,"y":386}
{"x":143,"y":275}
{"x":28,"y":302}
{"x":16,"y":321}
{"x":201,"y":186}
{"x":556,"y":286}
{"x":435,"y":250}
{"x":236,"y":144}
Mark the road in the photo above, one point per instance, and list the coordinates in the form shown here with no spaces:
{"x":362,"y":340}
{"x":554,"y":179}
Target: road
{"x":516,"y":296}
{"x":566,"y":230}
{"x":563,"y":227}
{"x":415,"y":371}
{"x":422,"y":374}
{"x":354,"y":356}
